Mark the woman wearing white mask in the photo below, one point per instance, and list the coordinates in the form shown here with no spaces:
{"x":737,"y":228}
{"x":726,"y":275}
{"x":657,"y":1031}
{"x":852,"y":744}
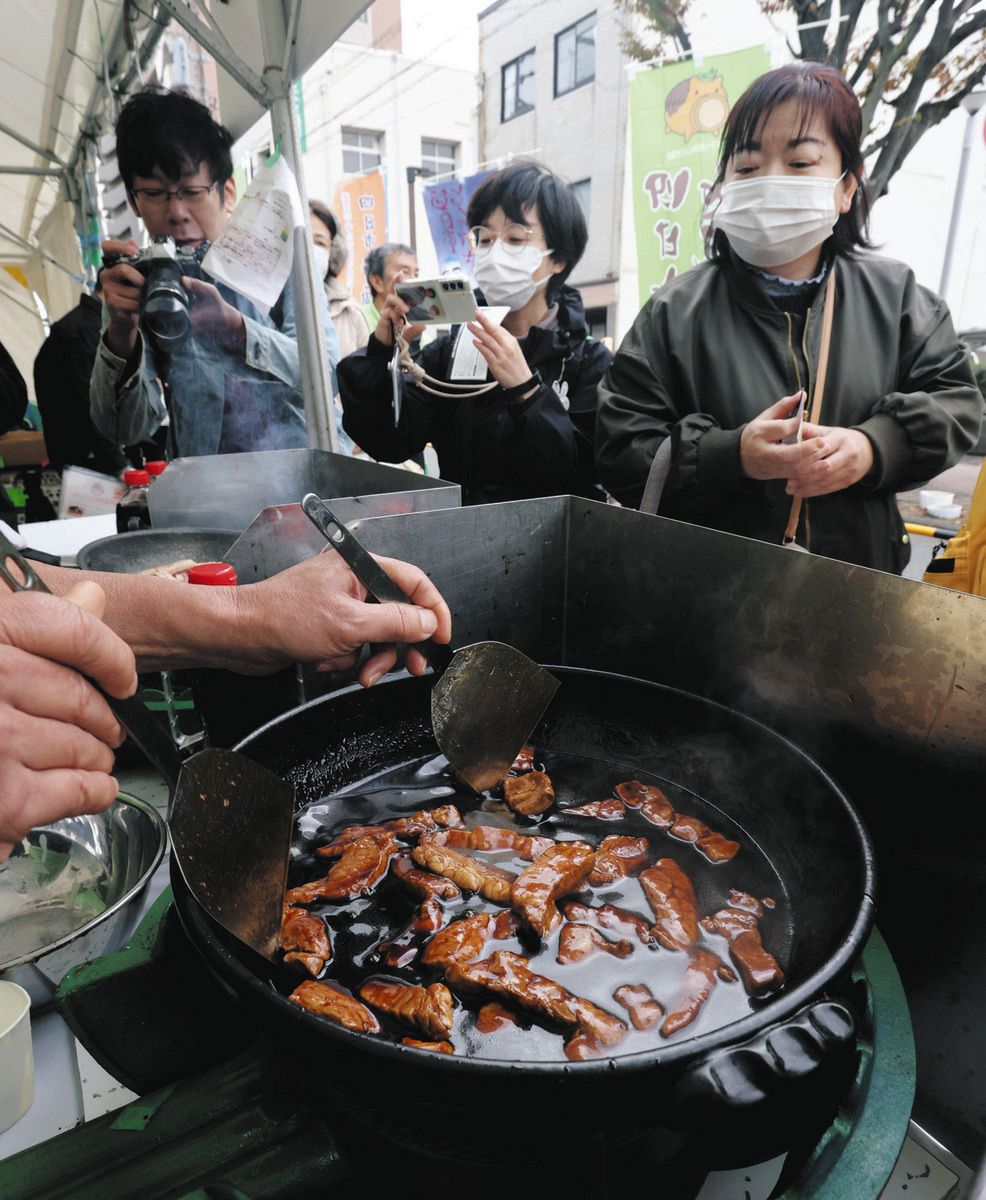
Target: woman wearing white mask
{"x":533,"y":434}
{"x":721,"y":358}
{"x":331,"y":254}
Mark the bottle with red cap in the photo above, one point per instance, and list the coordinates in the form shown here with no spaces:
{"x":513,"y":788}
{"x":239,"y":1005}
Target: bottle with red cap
{"x":132,"y":512}
{"x":232,"y":705}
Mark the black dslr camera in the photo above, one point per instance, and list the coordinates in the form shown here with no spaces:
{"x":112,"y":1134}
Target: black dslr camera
{"x":164,"y":309}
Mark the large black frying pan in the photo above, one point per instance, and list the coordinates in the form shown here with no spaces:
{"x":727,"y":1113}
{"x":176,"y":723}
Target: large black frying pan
{"x":141,"y":549}
{"x":755,"y":1079}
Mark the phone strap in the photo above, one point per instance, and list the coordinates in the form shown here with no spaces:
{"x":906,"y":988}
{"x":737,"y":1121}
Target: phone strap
{"x":790,"y":539}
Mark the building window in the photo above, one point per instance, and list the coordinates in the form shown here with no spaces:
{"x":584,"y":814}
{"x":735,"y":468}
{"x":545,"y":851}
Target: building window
{"x":360,"y":151}
{"x":575,"y":55}
{"x":438,"y":158}
{"x":583,"y":190}
{"x":518,"y":86}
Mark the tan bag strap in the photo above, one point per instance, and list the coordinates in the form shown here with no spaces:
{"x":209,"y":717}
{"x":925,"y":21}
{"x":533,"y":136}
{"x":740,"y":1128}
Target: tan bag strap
{"x":791,"y":532}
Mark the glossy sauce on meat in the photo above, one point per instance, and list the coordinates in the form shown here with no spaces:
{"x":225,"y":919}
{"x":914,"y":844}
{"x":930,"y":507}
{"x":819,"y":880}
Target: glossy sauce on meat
{"x":361,"y":926}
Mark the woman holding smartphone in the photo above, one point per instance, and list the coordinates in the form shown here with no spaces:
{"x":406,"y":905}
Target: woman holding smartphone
{"x":533,"y":433}
{"x":722,"y":359}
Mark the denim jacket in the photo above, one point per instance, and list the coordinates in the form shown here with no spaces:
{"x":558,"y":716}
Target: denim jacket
{"x":221,"y":401}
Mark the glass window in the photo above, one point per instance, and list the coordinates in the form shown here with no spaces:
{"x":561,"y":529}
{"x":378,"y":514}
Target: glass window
{"x":438,"y":157}
{"x":583,"y":190}
{"x":518,"y":86}
{"x":360,"y":151}
{"x":575,"y":55}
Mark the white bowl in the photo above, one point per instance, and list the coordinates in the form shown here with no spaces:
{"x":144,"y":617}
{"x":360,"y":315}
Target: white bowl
{"x":931,"y":499}
{"x":16,"y":1059}
{"x":945,"y":512}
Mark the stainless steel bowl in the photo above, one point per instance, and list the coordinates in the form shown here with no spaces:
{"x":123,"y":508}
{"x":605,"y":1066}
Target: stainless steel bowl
{"x":71,"y":890}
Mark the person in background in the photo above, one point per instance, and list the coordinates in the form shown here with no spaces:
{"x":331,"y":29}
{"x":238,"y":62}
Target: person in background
{"x":57,"y":736}
{"x":62,"y":370}
{"x":720,"y":358}
{"x":331,"y":253}
{"x":383,"y":266}
{"x":531,"y":435}
{"x":234,"y":384}
{"x":13,"y":392}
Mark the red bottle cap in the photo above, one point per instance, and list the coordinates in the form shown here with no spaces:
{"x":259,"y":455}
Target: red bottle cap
{"x":135,"y":478}
{"x":215,"y":574}
{"x":156,"y":467}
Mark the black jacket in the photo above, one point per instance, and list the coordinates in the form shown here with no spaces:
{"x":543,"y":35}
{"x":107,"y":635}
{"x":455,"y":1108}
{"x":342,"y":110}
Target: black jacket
{"x":493,"y":449}
{"x":13,"y":392}
{"x":710,"y":351}
{"x":61,"y":383}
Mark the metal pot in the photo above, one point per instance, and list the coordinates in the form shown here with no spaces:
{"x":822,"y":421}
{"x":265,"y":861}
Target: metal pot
{"x":744,"y":1083}
{"x":141,"y":549}
{"x":70,"y":892}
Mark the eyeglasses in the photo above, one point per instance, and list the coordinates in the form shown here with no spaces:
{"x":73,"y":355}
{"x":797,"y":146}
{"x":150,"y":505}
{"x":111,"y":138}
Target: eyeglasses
{"x":161,"y":197}
{"x":515,"y":238}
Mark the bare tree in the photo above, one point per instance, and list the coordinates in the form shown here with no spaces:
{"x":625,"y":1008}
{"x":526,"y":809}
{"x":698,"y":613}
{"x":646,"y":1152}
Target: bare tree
{"x":911,"y":62}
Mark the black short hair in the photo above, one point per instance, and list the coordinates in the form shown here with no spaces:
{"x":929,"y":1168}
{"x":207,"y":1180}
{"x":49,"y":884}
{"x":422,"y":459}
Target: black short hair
{"x":375,"y":262}
{"x":325,"y":215}
{"x":526,"y":184}
{"x":170,"y":130}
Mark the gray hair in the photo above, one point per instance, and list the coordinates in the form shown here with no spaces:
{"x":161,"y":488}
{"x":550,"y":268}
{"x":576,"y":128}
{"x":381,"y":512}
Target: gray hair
{"x":375,"y":262}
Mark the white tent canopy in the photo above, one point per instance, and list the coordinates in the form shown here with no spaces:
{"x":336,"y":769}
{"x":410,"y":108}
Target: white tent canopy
{"x":66,"y":63}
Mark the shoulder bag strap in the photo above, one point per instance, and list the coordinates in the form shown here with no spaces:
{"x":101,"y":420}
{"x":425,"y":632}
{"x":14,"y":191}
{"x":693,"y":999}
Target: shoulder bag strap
{"x":791,"y":532}
{"x":657,"y":477}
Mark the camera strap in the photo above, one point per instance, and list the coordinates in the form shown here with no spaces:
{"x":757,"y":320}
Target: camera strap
{"x":437,"y":387}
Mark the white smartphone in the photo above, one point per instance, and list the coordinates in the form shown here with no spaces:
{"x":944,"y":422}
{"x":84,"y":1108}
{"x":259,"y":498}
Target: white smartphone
{"x":793,"y":438}
{"x":448,"y":300}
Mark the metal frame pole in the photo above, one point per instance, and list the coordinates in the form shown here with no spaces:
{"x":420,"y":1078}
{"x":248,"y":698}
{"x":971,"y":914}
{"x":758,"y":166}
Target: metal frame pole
{"x":973,"y":104}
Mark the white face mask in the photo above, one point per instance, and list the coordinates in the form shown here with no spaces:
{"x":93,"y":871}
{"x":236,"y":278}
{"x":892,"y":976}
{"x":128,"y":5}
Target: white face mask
{"x":774,"y":219}
{"x":506,"y":278}
{"x":321,"y":262}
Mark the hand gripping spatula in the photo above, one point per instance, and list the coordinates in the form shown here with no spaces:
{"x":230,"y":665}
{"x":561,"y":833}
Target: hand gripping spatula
{"x":487,"y":697}
{"x":230,"y":820}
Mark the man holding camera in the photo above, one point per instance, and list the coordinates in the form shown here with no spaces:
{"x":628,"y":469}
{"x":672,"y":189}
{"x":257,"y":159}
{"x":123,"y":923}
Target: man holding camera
{"x":234,"y":383}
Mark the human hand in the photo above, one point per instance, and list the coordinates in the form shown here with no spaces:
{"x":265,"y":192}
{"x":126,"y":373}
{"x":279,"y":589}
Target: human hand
{"x":847,"y":456}
{"x":393,"y":315}
{"x":123,"y":289}
{"x":211,"y":315}
{"x":335,"y":618}
{"x":763,"y":454}
{"x":502,"y":352}
{"x":57,"y":733}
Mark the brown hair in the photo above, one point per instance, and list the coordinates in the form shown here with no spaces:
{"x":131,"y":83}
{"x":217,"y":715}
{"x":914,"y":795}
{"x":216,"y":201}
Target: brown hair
{"x":822,"y":92}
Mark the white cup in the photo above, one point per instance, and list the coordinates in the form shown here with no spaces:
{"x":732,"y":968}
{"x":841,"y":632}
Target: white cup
{"x":16,"y":1060}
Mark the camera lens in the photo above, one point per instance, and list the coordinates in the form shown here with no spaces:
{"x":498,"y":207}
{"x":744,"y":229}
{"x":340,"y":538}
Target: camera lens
{"x":165,"y":307}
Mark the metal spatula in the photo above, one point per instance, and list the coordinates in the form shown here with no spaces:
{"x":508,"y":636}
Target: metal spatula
{"x":230,"y":819}
{"x":487,"y":698}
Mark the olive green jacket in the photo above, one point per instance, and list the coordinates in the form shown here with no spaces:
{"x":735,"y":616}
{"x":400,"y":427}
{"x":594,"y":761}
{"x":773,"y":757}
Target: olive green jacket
{"x":710,"y":351}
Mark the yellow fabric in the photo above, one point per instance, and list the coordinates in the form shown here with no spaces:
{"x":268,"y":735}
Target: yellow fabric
{"x":961,"y":566}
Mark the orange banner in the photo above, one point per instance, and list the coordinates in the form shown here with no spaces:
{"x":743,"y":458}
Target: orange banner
{"x":361,"y":207}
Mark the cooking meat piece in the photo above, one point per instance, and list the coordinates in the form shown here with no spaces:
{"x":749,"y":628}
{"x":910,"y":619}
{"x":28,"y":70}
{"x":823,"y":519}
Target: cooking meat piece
{"x":423,"y":821}
{"x":608,"y":916}
{"x":688,"y":829}
{"x":422,"y":883}
{"x":505,"y":925}
{"x":578,"y":942}
{"x":747,"y":903}
{"x":494,"y":1016}
{"x":493,"y":837}
{"x":717,"y":847}
{"x":561,"y":869}
{"x":509,"y":976}
{"x":459,"y":942}
{"x":491,"y":883}
{"x":335,"y":1005}
{"x":758,"y":968}
{"x":529,"y":794}
{"x":305,"y":939}
{"x":174,"y":570}
{"x":428,"y":1010}
{"x":402,"y":949}
{"x":602,"y":810}
{"x":435,"y":1047}
{"x":653,"y":804}
{"x":618,"y":857}
{"x":671,"y":896}
{"x":636,"y":998}
{"x":696,"y":988}
{"x":357,"y":873}
{"x":581,"y":1047}
{"x":524,"y":761}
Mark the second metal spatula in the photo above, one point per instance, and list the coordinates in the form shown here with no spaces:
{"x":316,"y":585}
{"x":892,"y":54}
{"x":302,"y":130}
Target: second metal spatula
{"x":487,"y":698}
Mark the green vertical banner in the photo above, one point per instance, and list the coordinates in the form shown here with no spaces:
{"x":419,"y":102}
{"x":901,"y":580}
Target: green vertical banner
{"x":299,"y":112}
{"x":677,"y":113}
